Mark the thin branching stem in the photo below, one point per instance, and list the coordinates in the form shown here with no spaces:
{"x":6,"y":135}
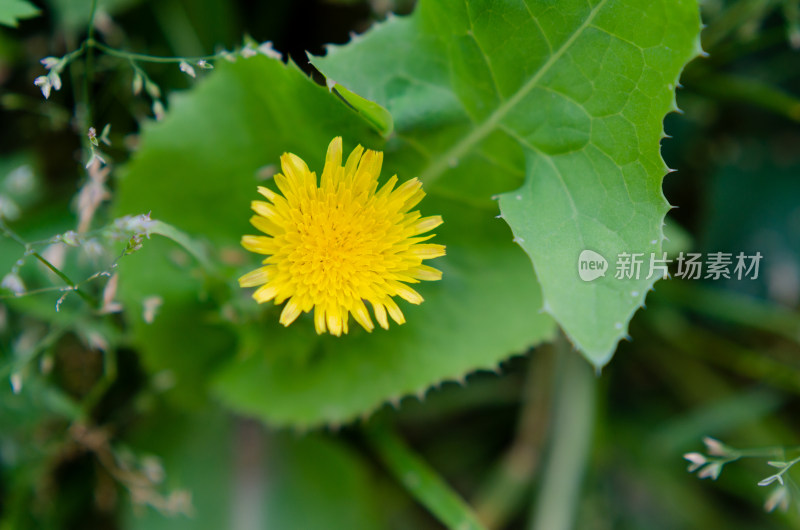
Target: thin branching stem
{"x":143,"y":57}
{"x":420,"y":480}
{"x":58,"y":272}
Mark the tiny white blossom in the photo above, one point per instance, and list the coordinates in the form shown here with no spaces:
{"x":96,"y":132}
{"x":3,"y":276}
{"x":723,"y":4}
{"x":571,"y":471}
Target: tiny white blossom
{"x":205,"y":65}
{"x":50,"y":62}
{"x":137,"y":84}
{"x":267,"y":49}
{"x":248,"y":52}
{"x":139,"y":224}
{"x":715,"y":447}
{"x":152,"y":89}
{"x":158,"y":110}
{"x":55,"y":80}
{"x":696,"y":460}
{"x":71,"y":238}
{"x":44,"y":84}
{"x":187,"y":68}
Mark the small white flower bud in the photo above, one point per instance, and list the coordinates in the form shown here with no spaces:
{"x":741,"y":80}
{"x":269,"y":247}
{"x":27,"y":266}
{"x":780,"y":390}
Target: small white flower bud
{"x":55,"y":80}
{"x":152,"y":90}
{"x":44,"y":84}
{"x":187,"y":68}
{"x":137,"y":84}
{"x":70,"y":238}
{"x":696,"y":460}
{"x":715,"y":447}
{"x":158,"y":110}
{"x":205,"y":65}
{"x":50,"y":62}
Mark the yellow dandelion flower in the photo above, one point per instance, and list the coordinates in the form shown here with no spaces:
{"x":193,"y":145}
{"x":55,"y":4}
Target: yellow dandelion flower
{"x":334,"y":246}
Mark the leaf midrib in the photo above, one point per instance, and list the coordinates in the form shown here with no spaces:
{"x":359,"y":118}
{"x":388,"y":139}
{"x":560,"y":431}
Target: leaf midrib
{"x":442,"y":163}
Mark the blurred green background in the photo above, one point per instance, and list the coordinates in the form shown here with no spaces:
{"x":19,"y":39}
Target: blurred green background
{"x":82,"y":448}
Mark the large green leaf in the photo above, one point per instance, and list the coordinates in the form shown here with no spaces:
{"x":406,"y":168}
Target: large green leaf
{"x":12,"y":11}
{"x":571,"y":95}
{"x":483,"y":310}
{"x":198,"y":170}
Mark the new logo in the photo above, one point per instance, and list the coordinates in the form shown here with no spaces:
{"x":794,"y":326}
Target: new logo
{"x":591,"y":265}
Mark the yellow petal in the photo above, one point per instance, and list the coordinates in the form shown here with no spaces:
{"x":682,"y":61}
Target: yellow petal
{"x":406,"y":293}
{"x":265,"y":225}
{"x":423,"y":272}
{"x":428,"y":250}
{"x":254,"y":278}
{"x":264,"y":209}
{"x":333,"y":162}
{"x":294,"y":168}
{"x":361,"y":315}
{"x":290,"y":312}
{"x":259,"y":244}
{"x":319,"y":320}
{"x":334,"y":322}
{"x":352,"y":162}
{"x":380,"y":314}
{"x":426,"y":224}
{"x":394,"y":311}
{"x":265,"y":293}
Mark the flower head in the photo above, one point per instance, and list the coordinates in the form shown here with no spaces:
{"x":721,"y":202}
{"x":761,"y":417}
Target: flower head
{"x":331,"y":247}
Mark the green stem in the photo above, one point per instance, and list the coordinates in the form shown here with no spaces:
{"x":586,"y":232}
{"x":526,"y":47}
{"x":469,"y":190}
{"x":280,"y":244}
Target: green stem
{"x":421,"y":481}
{"x":28,"y":250}
{"x":765,"y":452}
{"x":87,"y":82}
{"x":734,"y":18}
{"x":736,"y":88}
{"x":732,"y":307}
{"x":509,"y":485}
{"x":142,"y":57}
{"x":570,"y":442}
